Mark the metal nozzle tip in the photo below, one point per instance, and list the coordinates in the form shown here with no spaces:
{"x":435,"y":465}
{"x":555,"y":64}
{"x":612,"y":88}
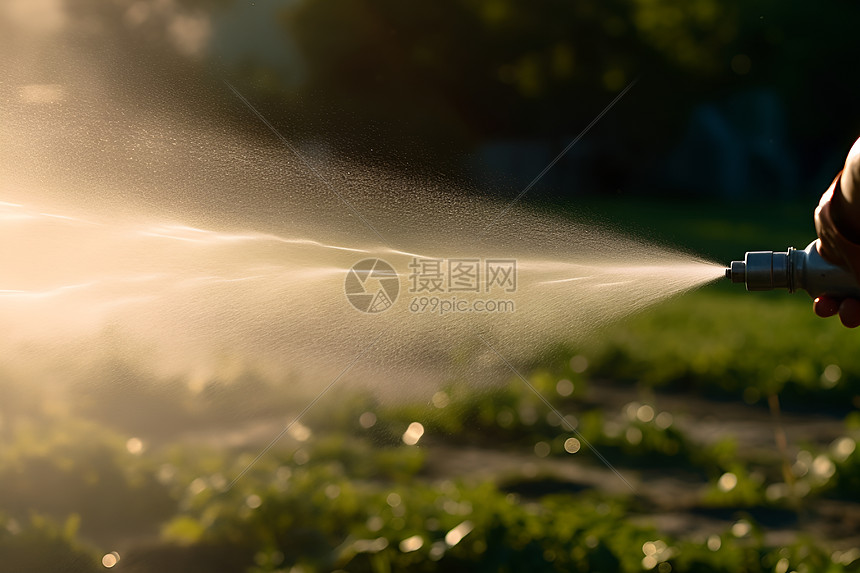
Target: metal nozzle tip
{"x":737,"y":272}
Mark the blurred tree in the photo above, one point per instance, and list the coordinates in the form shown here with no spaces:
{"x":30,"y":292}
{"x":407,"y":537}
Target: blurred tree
{"x":463,"y":71}
{"x":485,"y":68}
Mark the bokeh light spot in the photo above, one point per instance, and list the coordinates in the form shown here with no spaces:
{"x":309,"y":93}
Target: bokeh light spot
{"x":413,"y":433}
{"x":134,"y":446}
{"x":393,"y":499}
{"x":645,"y":413}
{"x":664,"y":420}
{"x":579,"y":364}
{"x":564,"y":387}
{"x":367,"y":420}
{"x":831,"y":376}
{"x":110,"y":559}
{"x":413,"y":543}
{"x":440,"y":399}
{"x":727,"y":482}
{"x":714,"y":542}
{"x":572,"y":445}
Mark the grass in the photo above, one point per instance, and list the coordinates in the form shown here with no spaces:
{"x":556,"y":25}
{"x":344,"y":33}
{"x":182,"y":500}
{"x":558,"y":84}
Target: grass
{"x":736,"y":345}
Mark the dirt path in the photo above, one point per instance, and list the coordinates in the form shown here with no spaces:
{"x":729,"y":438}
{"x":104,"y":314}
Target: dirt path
{"x":672,"y":497}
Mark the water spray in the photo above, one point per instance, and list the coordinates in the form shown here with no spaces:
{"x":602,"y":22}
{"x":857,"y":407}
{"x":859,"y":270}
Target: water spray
{"x":794,"y":270}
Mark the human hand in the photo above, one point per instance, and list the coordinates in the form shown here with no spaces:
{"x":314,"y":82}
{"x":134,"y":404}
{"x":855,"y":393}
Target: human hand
{"x":837,"y":221}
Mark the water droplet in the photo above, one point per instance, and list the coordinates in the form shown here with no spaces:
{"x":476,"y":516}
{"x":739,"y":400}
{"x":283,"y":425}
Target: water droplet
{"x":217,"y":481}
{"x":663,"y":420}
{"x":831,"y":376}
{"x":801,"y":466}
{"x":437,"y":551}
{"x":741,"y":528}
{"x":454,"y":536}
{"x":367,"y":420}
{"x":110,"y":559}
{"x":572,"y":445}
{"x":645,"y":413}
{"x":846,"y":557}
{"x":842,"y":448}
{"x":134,"y":446}
{"x":727,"y":482}
{"x":375,"y":523}
{"x":301,"y":457}
{"x":648,"y":548}
{"x":284,"y":473}
{"x":12,"y":526}
{"x":413,"y":543}
{"x":579,"y":364}
{"x":823,"y":467}
{"x":714,"y":542}
{"x":440,"y":399}
{"x":564,"y":387}
{"x":413,"y":433}
{"x":369,"y":545}
{"x":631,"y":409}
{"x":393,"y":499}
{"x":300,"y":432}
{"x":197,"y":486}
{"x":776,"y":491}
{"x":166,"y":473}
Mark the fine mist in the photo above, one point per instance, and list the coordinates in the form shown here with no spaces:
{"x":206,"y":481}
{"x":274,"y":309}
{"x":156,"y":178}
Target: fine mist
{"x":192,"y":253}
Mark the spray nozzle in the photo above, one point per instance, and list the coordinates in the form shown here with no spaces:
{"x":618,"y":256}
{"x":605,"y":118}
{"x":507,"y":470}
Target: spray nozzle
{"x":793,"y":270}
{"x":737,"y":272}
{"x":763,"y":270}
